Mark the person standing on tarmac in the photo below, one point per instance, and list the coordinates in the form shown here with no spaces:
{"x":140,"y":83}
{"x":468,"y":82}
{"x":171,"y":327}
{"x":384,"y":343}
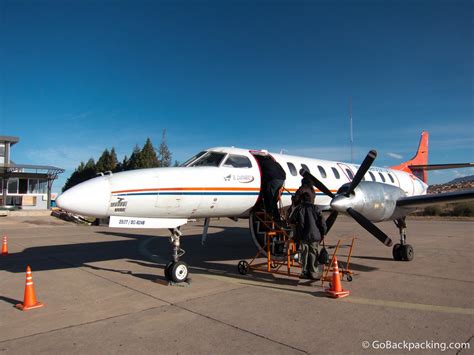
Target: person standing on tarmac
{"x":310,"y":230}
{"x":273,"y":179}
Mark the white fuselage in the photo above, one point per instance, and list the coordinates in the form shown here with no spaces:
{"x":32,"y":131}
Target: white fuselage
{"x":208,"y":191}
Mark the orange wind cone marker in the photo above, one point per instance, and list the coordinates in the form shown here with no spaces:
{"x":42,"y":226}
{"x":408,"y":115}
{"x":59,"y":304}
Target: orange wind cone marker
{"x":29,"y":301}
{"x":5,"y":246}
{"x":336,"y":291}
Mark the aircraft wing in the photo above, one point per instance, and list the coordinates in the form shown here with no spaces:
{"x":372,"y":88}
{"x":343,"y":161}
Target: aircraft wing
{"x":434,"y":199}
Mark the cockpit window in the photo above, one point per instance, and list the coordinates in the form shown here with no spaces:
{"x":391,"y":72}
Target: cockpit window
{"x":238,"y":161}
{"x":190,"y":160}
{"x":209,"y":159}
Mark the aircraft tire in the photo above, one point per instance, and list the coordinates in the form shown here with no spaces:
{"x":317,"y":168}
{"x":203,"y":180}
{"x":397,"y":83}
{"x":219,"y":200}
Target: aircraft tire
{"x":396,"y":252}
{"x":167,"y":270}
{"x":179,"y":272}
{"x":407,"y":252}
{"x":243,"y":267}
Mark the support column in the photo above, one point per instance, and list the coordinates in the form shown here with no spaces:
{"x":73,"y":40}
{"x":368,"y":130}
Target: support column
{"x":50,"y":185}
{"x":4,"y":191}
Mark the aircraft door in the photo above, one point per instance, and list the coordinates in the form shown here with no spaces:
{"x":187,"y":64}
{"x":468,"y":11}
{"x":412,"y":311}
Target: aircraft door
{"x":347,"y":170}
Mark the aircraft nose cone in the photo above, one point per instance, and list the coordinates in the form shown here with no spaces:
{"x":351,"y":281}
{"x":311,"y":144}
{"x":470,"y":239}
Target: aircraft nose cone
{"x":341,"y":203}
{"x":90,"y":198}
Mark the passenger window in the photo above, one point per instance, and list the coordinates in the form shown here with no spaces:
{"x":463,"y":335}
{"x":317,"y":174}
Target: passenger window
{"x":322,"y":171}
{"x":210,"y":159}
{"x":391,"y":178}
{"x":292,"y":169}
{"x":336,"y":173}
{"x":372,"y":176}
{"x":350,"y":174}
{"x":382,"y":177}
{"x":304,"y":166}
{"x":238,"y":161}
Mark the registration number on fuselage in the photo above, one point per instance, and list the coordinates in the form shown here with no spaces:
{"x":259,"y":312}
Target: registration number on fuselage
{"x":134,"y":222}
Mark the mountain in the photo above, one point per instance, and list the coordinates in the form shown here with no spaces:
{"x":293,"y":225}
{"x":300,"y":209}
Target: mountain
{"x":462,"y":179}
{"x":463,"y":183}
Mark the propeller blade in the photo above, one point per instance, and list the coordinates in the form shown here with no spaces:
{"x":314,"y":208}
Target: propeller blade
{"x":318,"y":184}
{"x":369,"y":159}
{"x":370,"y":227}
{"x":331,"y":219}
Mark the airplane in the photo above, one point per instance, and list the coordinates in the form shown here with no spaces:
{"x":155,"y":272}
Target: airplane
{"x":226,"y":182}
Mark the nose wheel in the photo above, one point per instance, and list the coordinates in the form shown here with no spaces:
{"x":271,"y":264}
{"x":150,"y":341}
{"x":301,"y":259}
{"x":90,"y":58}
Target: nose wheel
{"x":402,"y":251}
{"x":176,"y":271}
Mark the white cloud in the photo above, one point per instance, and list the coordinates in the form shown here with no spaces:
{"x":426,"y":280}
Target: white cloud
{"x":395,"y":155}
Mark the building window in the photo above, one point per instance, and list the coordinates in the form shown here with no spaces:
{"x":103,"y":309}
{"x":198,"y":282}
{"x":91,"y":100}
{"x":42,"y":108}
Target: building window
{"x":42,"y":186}
{"x":22,"y":186}
{"x":382,"y":177}
{"x":12,"y":186}
{"x":292,"y":169}
{"x":372,"y":176}
{"x":32,"y":185}
{"x":2,"y":153}
{"x":336,"y":173}
{"x":322,"y":171}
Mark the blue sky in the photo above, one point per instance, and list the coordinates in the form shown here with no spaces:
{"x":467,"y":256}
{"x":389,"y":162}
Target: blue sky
{"x":77,"y":77}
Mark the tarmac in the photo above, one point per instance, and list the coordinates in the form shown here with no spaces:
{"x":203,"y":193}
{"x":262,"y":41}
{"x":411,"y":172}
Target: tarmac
{"x":104,"y":292}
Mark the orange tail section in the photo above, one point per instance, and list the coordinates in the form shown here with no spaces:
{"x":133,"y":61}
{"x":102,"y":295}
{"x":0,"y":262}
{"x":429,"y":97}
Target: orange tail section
{"x":421,"y":158}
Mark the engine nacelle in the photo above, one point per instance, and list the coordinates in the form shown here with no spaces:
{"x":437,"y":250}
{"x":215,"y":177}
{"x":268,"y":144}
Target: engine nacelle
{"x":374,"y":200}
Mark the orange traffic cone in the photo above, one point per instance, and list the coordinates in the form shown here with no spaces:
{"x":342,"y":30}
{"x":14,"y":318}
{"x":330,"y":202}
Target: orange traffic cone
{"x":5,"y":245}
{"x":336,"y":291}
{"x":29,"y":301}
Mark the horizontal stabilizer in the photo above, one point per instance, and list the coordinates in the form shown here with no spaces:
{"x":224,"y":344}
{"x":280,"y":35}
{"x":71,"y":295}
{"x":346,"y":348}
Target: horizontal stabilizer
{"x":441,"y":166}
{"x":432,"y":199}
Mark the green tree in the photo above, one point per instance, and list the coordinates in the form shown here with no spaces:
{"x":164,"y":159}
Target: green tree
{"x":122,"y":166}
{"x":82,"y":173}
{"x":107,"y":161}
{"x":148,"y":156}
{"x":164,"y":154}
{"x":135,"y":159}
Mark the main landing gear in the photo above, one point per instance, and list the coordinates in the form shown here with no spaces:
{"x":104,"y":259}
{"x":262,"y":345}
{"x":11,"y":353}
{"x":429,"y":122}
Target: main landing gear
{"x":176,"y":271}
{"x":402,"y":251}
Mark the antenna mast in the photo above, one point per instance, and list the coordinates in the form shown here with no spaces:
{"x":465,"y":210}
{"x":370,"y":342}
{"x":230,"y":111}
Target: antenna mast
{"x":350,"y":125}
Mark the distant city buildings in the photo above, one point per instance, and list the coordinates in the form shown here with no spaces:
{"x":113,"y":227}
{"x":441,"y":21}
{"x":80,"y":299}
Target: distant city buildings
{"x":21,"y":185}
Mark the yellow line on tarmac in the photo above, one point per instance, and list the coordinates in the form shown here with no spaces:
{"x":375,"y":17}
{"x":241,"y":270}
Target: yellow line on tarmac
{"x":408,"y":305}
{"x":352,"y":299}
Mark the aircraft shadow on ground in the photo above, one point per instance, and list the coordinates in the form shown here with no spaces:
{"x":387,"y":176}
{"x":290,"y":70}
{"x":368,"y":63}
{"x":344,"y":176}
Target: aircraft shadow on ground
{"x":219,"y":255}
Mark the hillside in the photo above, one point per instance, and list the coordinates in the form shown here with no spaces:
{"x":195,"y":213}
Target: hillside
{"x":454,"y":185}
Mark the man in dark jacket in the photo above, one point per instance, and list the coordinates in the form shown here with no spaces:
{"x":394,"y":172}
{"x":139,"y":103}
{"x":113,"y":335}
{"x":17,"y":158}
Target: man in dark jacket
{"x":310,"y":230}
{"x":306,"y":187}
{"x":273,"y":179}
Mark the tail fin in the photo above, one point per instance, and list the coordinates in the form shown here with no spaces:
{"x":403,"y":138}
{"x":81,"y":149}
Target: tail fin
{"x":421,"y":158}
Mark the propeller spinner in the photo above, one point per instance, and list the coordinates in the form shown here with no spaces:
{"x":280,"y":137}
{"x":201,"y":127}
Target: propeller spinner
{"x":344,"y":200}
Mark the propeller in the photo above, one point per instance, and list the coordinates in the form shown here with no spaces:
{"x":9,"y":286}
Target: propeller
{"x":341,"y":202}
{"x":318,"y":184}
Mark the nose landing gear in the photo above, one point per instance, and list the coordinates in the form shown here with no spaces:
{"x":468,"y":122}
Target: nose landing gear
{"x":176,"y":271}
{"x":402,"y":251}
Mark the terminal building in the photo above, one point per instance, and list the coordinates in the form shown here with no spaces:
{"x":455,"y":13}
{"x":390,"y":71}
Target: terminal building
{"x":24,"y":186}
